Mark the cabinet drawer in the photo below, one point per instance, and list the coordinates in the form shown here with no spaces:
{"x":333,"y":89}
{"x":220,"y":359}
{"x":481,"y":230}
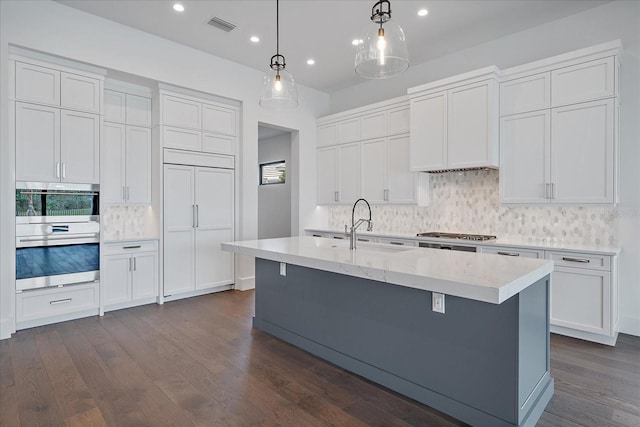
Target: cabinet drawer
{"x":181,"y":112}
{"x":580,"y":260}
{"x":129,"y":247}
{"x":525,"y":94}
{"x":398,"y":242}
{"x":583,"y":82}
{"x":181,"y":138}
{"x":53,"y":302}
{"x":505,"y":251}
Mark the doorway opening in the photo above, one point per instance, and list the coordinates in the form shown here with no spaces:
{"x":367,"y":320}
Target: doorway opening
{"x":277,"y":182}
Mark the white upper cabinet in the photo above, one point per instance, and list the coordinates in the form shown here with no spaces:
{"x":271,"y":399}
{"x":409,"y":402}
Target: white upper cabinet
{"x":584,"y":82}
{"x":188,"y":122}
{"x":398,"y":120}
{"x":113,"y":157}
{"x":114,"y":106}
{"x":374,"y":125}
{"x":44,"y":85}
{"x":181,"y":112}
{"x":349,"y":131}
{"x":525,"y":94}
{"x":37,"y":143}
{"x":374,"y":170}
{"x":327,"y":135}
{"x":80,"y":147}
{"x":218,"y":119}
{"x":138,"y":110}
{"x":454,"y":122}
{"x":37,"y":84}
{"x":327,"y":176}
{"x":348,"y":173}
{"x":563,"y":149}
{"x":80,"y":93}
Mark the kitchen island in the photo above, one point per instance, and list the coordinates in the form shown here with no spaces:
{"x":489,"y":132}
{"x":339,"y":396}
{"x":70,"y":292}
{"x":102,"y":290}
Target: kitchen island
{"x":485,"y":360}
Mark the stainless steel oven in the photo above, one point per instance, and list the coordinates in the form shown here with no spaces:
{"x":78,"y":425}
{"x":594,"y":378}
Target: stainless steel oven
{"x":57,"y":235}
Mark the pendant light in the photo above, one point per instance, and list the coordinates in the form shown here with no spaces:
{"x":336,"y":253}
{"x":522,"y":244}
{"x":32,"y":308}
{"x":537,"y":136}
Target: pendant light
{"x":382,"y":51}
{"x":278,"y":88}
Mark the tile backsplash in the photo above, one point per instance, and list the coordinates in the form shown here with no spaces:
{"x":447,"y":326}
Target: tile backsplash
{"x":468,"y":202}
{"x":126,"y":222}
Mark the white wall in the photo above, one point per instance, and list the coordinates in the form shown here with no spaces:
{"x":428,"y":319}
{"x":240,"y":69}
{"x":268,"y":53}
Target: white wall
{"x":611,"y":21}
{"x":274,"y":201}
{"x":53,"y":28}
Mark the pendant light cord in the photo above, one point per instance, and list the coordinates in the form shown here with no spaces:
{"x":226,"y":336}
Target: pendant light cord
{"x":278,"y":27}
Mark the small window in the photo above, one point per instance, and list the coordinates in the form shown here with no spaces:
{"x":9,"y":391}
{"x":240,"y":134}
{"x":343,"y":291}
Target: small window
{"x":273,"y":173}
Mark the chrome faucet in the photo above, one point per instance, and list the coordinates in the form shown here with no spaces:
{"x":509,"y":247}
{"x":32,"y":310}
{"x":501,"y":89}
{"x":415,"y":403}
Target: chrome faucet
{"x":355,"y":225}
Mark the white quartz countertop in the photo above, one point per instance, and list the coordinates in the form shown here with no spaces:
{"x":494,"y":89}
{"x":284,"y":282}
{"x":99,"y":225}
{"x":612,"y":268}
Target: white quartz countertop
{"x":470,"y":275}
{"x":523,"y":243}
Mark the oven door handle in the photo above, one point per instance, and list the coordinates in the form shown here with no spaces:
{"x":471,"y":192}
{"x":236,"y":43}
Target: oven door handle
{"x":47,"y":238}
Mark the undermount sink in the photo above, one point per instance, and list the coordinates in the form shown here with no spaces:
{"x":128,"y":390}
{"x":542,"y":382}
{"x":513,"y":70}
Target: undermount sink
{"x":373,"y":248}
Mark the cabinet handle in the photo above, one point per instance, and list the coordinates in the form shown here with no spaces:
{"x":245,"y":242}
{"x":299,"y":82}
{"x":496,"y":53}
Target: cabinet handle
{"x":132,"y":247}
{"x":60,"y":301}
{"x":509,"y":253}
{"x":546,"y":191}
{"x":124,"y":193}
{"x":397,"y":243}
{"x":64,"y":171}
{"x":128,"y":192}
{"x":57,"y":169}
{"x":553,"y":190}
{"x":582,"y":260}
{"x":135,"y":264}
{"x":129,"y":264}
{"x":335,"y":196}
{"x":193,"y":216}
{"x":386,"y":195}
{"x":197,"y":215}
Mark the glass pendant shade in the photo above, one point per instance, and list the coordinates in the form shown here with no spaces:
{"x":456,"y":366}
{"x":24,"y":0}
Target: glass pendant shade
{"x":279,"y":90}
{"x":382,"y":52}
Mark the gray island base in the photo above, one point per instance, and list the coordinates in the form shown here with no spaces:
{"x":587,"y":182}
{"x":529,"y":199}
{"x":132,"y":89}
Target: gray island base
{"x":485,"y":364}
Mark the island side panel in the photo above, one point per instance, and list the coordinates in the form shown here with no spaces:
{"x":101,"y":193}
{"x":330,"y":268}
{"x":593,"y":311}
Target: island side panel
{"x":463,"y":362}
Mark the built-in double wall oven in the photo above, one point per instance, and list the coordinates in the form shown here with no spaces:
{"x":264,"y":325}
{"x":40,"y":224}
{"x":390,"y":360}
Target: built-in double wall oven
{"x":57,"y":234}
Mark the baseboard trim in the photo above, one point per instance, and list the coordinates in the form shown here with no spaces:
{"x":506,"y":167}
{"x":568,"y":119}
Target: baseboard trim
{"x":629,"y":326}
{"x":197,"y":293}
{"x":587,"y":336}
{"x":245,"y":283}
{"x":7,"y":327}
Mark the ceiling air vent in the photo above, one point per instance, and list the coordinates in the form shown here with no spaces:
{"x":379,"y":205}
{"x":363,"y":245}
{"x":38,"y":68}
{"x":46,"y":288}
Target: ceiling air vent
{"x":221,"y":24}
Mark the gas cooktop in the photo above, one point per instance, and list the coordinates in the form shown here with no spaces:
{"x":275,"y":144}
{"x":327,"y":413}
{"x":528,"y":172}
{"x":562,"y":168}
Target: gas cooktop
{"x":458,"y":236}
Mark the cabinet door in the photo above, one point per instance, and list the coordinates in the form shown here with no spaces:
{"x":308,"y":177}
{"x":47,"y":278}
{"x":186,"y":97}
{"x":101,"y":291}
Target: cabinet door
{"x":80,"y":92}
{"x":472,"y":123}
{"x":327,"y":176}
{"x":179,"y":231}
{"x":581,"y":299}
{"x":583,"y":82}
{"x":181,"y":112}
{"x":112,"y":185}
{"x":373,"y":126}
{"x":114,"y":106}
{"x":37,"y":84}
{"x":37,"y":143}
{"x":348,"y":173}
{"x":401,"y":182}
{"x":582,"y":153}
{"x":213,"y":143}
{"x":327,"y":135}
{"x":373,"y":170}
{"x":429,"y":132}
{"x":525,"y":94}
{"x":349,"y":130}
{"x":138,"y":110}
{"x":183,"y":139}
{"x":80,"y":147}
{"x":398,"y":121}
{"x":145,"y":275}
{"x":214,"y":225}
{"x":116,"y":279}
{"x":138,"y":165}
{"x":218,"y":119}
{"x":524,"y":157}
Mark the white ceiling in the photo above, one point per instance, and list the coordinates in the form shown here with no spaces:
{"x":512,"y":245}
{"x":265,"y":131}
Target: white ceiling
{"x":323,"y":30}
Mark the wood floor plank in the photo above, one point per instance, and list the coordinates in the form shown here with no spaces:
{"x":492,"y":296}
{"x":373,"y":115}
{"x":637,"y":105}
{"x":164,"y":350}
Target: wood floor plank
{"x":199,"y":362}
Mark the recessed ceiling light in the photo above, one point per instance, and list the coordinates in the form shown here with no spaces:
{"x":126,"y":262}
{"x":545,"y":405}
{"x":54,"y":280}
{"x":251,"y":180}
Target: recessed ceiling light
{"x":310,"y":61}
{"x":255,"y":39}
{"x":356,"y":42}
{"x":423,"y":12}
{"x":178,"y":7}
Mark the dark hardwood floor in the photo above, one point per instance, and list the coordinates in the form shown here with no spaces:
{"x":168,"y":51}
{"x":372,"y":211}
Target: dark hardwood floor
{"x":198,"y":362}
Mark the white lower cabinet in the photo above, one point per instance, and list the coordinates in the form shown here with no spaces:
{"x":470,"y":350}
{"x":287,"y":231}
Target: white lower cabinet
{"x":51,"y":305}
{"x":198,"y":216}
{"x":584,"y":296}
{"x":513,"y":252}
{"x":129,"y":274}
